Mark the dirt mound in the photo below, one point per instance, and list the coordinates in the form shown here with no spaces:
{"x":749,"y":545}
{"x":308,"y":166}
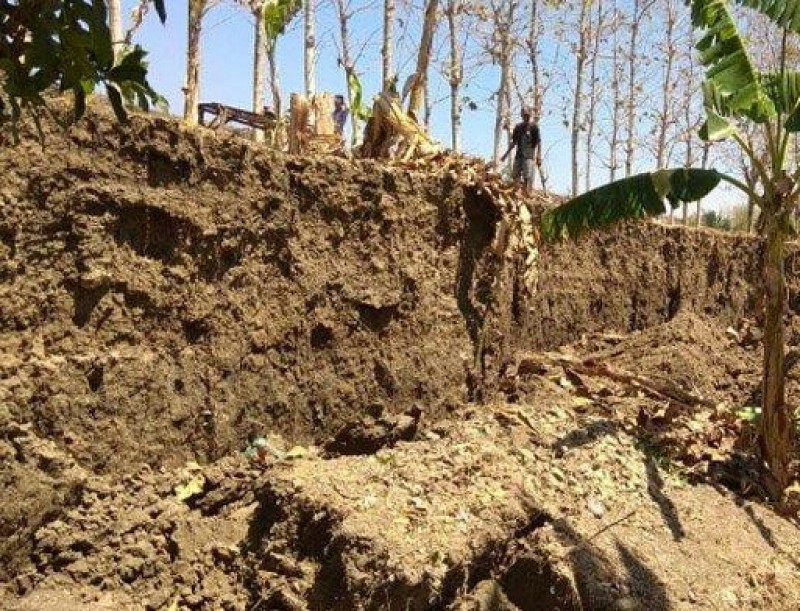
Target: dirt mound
{"x":693,"y":352}
{"x":687,"y":389}
{"x":132,"y":544}
{"x":492,"y":503}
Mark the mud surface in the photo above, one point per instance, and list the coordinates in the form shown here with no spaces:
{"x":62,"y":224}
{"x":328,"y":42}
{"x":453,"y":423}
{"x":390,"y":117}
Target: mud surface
{"x":168,"y":295}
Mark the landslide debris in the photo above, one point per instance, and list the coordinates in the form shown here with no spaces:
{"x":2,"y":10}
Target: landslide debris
{"x":550,"y":503}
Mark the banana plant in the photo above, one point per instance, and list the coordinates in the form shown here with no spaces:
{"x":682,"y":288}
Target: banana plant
{"x":734,"y":91}
{"x":357,"y":106}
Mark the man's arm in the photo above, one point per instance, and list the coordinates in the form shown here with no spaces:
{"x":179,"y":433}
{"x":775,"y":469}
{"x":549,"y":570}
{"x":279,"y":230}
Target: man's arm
{"x":537,"y":148}
{"x":511,"y":145}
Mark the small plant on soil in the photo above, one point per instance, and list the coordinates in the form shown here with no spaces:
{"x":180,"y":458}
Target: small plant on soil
{"x":734,"y":92}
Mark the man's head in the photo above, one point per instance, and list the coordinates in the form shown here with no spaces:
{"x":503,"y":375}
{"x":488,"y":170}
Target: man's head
{"x":338,"y":100}
{"x":526,"y":115}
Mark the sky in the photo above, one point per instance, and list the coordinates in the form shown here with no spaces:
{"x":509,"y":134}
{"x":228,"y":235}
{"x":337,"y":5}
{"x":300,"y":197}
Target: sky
{"x":227,"y":64}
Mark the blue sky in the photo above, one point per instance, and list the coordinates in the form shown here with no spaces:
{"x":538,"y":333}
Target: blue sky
{"x":227,"y":58}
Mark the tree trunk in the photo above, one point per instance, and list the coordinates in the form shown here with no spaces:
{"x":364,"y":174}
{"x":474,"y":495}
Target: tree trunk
{"x":704,"y":165}
{"x":137,"y":17}
{"x":309,"y":58}
{"x":342,"y":9}
{"x":191,"y":90}
{"x":456,"y":74}
{"x":274,"y":79}
{"x":751,"y":180}
{"x":115,"y":27}
{"x":426,"y":98}
{"x":259,"y":69}
{"x":580,"y":60}
{"x":279,"y":137}
{"x":591,"y":111}
{"x":533,"y":57}
{"x":507,"y":123}
{"x":423,"y":60}
{"x":633,"y":58}
{"x":503,"y":22}
{"x":387,"y":52}
{"x":688,"y":117}
{"x":776,"y":423}
{"x":616,"y":96}
{"x":665,"y":116}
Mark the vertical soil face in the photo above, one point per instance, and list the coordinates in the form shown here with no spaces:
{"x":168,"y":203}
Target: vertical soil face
{"x":636,"y":277}
{"x":167,"y":293}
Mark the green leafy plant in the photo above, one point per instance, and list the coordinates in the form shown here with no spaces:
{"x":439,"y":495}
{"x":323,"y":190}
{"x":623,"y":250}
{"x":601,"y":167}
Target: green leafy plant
{"x":734,"y":92}
{"x":65,"y":46}
{"x":715,"y":220}
{"x":751,"y":414}
{"x":277,"y":14}
{"x":357,"y":95}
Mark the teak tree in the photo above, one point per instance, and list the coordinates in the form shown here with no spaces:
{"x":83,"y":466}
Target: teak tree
{"x":309,"y":46}
{"x":734,"y":92}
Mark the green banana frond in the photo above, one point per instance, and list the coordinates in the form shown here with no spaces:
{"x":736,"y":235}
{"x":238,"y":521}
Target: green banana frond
{"x":784,"y":13}
{"x":636,"y":197}
{"x":784,"y":91}
{"x":719,"y":123}
{"x":729,"y":69}
{"x":277,"y":14}
{"x":357,"y":96}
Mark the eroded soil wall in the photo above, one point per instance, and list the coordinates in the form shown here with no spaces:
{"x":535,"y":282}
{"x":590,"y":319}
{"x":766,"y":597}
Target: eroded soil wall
{"x":635,"y":277}
{"x":167,"y":293}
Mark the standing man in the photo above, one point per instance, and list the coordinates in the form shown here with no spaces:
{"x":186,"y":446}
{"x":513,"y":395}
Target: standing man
{"x":528,"y":143}
{"x":340,"y":114}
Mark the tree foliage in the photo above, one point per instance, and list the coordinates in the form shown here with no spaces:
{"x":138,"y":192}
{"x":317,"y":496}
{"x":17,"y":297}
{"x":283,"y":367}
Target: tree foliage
{"x":65,"y":46}
{"x":715,"y":220}
{"x":277,"y":16}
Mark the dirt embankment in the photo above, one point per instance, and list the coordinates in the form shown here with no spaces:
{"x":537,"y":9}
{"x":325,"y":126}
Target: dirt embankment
{"x":636,"y":277}
{"x":156,"y":276}
{"x":167,"y":294}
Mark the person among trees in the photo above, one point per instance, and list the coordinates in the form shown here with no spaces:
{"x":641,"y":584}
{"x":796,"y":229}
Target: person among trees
{"x":340,"y":114}
{"x":526,"y":139}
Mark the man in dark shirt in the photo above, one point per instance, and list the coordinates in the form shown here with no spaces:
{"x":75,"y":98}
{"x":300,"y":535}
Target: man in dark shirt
{"x":525,"y":138}
{"x":340,"y":113}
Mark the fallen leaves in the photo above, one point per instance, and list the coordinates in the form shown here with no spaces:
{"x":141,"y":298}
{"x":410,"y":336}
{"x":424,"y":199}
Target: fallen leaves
{"x":192,"y":482}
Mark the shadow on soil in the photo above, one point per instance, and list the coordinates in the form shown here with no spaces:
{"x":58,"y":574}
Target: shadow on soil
{"x":655,"y":488}
{"x":583,"y":577}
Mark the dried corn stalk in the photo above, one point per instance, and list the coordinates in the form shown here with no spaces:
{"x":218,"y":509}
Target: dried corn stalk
{"x":390,"y":128}
{"x":311,"y":125}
